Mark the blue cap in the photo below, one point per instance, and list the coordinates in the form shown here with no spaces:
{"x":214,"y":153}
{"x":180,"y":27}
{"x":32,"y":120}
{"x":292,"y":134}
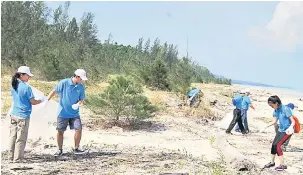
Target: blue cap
{"x":291,"y":106}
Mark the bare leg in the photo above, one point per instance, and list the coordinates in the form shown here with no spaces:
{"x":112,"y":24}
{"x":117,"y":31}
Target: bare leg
{"x":273,"y":158}
{"x":281,"y":158}
{"x":77,"y":138}
{"x":60,"y":139}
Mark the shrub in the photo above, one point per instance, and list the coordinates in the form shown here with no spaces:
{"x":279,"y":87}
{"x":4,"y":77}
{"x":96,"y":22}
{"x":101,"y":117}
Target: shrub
{"x":122,"y":98}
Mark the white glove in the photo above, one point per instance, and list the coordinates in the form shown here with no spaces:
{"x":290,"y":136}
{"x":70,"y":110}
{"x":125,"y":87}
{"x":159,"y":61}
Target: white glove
{"x":290,"y":130}
{"x":43,"y":99}
{"x":75,"y":106}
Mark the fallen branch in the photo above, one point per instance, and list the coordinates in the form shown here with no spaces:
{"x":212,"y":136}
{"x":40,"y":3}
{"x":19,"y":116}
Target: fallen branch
{"x":233,"y":157}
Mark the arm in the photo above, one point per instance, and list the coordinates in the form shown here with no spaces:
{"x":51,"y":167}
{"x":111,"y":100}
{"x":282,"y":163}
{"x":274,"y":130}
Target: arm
{"x":35,"y":102}
{"x":292,"y":120}
{"x":274,"y":121}
{"x":80,"y":102}
{"x":82,"y":96}
{"x":250,"y":104}
{"x":51,"y":94}
{"x":57,"y":89}
{"x":31,"y":98}
{"x":290,"y":116}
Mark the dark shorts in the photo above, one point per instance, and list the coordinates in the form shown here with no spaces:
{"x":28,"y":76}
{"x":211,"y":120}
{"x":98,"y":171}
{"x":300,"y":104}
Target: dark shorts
{"x":74,"y":123}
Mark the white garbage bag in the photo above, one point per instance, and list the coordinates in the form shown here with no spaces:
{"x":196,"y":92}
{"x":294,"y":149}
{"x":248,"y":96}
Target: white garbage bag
{"x":42,"y":121}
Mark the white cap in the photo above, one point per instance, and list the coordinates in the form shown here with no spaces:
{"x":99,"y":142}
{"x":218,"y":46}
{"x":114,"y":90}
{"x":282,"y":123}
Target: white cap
{"x":25,"y":70}
{"x":242,"y":91}
{"x":81,"y":73}
{"x":247,"y":91}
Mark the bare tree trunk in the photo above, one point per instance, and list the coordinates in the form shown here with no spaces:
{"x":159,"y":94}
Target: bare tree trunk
{"x":232,"y":156}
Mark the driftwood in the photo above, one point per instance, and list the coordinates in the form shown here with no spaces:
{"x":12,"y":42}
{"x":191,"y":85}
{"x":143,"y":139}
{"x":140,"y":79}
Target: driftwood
{"x":233,"y":157}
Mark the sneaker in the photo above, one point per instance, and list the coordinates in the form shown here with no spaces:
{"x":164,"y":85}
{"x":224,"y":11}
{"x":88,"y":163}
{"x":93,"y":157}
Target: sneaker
{"x":58,"y":153}
{"x":281,"y":167}
{"x":270,"y":164}
{"x":79,"y":151}
{"x":228,"y":132}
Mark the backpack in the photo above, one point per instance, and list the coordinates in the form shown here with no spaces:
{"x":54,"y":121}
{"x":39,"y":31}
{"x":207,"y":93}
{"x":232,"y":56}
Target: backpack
{"x":297,"y":126}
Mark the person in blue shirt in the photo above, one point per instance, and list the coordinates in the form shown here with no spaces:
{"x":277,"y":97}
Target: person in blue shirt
{"x":23,"y":99}
{"x":193,"y":96}
{"x":291,"y":106}
{"x":237,"y":102}
{"x":246,"y":103}
{"x":72,"y":93}
{"x":283,"y":114}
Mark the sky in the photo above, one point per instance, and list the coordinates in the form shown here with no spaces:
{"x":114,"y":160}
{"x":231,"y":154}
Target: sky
{"x":252,"y":41}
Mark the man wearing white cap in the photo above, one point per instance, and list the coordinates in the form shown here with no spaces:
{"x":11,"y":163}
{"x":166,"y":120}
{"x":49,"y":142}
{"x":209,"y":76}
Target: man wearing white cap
{"x":246,"y":103}
{"x":72,"y":94}
{"x":237,"y":102}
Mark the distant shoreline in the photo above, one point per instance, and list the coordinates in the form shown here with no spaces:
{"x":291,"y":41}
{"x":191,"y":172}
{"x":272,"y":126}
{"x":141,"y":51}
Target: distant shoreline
{"x":291,"y":91}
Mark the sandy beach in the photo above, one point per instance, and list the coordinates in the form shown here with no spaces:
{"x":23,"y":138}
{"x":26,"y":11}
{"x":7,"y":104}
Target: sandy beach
{"x":176,"y":141}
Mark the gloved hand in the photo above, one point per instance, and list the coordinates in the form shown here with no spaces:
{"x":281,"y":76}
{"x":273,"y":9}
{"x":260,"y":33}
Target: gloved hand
{"x":75,"y":106}
{"x":290,"y":130}
{"x":43,"y":99}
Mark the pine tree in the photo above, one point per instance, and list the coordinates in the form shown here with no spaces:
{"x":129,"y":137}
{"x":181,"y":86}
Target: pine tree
{"x":158,"y":76}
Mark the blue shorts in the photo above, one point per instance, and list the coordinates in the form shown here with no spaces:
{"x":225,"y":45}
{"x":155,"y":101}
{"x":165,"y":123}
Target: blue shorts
{"x":74,"y":123}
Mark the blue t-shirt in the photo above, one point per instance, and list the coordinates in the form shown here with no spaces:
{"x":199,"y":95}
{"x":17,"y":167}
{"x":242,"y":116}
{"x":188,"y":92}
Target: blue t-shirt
{"x":283,"y":113}
{"x":192,"y":92}
{"x":237,"y":101}
{"x":246,"y":102}
{"x":69,"y":94}
{"x":21,"y":98}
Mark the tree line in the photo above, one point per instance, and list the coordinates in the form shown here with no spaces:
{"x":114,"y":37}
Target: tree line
{"x":54,"y":44}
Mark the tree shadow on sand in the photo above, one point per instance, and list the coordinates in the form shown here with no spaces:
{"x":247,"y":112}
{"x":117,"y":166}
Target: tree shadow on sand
{"x":147,"y":126}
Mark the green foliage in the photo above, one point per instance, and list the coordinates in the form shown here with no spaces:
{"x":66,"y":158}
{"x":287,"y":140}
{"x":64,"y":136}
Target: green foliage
{"x":54,"y":45}
{"x":123,"y":98}
{"x":180,"y":77}
{"x":158,"y":76}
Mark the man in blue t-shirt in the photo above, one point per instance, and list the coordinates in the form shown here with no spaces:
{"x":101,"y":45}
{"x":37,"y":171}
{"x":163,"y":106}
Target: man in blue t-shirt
{"x":246,"y":103}
{"x":72,"y":93}
{"x":237,"y":102}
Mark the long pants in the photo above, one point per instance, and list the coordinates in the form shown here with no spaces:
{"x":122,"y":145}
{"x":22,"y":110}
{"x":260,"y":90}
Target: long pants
{"x":280,"y":138}
{"x":244,"y":120}
{"x":236,"y":119}
{"x":277,"y":130}
{"x":18,"y":137}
